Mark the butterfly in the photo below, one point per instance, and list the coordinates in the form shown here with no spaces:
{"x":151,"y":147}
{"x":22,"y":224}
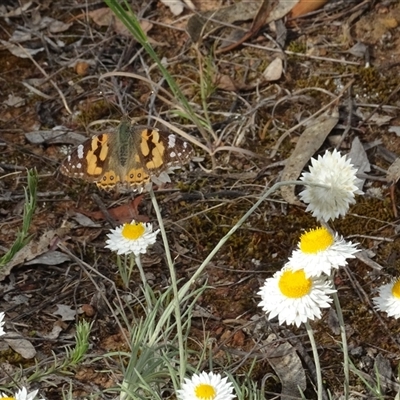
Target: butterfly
{"x":128,"y":157}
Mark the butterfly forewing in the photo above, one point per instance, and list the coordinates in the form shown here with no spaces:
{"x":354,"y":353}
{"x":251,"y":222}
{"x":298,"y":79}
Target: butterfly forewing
{"x":89,"y":159}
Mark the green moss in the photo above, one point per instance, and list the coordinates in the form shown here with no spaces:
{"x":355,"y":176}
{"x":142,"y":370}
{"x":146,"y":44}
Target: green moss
{"x":297,"y":46}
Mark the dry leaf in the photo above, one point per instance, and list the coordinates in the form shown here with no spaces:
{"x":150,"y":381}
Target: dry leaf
{"x":58,"y":26}
{"x":199,"y":25}
{"x":359,"y":159}
{"x":395,"y":129}
{"x":309,"y":142}
{"x":102,"y":16}
{"x":20,"y":36}
{"x":83,"y":220}
{"x":393,"y":172}
{"x":259,"y":21}
{"x":59,"y":134}
{"x":380,"y":119}
{"x":14,"y":101}
{"x":49,"y":258}
{"x":333,"y":321}
{"x":383,"y":368}
{"x":19,"y":51}
{"x":224,"y":82}
{"x":123,"y":213}
{"x":65,"y":312}
{"x":33,"y":250}
{"x":359,"y":50}
{"x":305,"y":6}
{"x":21,"y":346}
{"x":55,"y":332}
{"x":287,"y":365}
{"x":365,"y":257}
{"x":105,"y":17}
{"x":18,"y":11}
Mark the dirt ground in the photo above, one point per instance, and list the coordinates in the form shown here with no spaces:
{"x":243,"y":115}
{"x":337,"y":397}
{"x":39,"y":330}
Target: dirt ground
{"x":53,"y":87}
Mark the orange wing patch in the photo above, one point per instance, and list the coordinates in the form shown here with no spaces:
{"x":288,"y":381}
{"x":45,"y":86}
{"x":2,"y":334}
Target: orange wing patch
{"x":97,"y":154}
{"x":108,"y":180}
{"x":137,"y":176}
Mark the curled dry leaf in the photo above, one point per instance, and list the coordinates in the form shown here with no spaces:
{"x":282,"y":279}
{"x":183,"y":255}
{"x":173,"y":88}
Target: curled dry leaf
{"x":309,"y":142}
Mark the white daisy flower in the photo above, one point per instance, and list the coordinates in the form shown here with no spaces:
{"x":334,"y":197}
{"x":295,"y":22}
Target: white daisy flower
{"x":294,"y":297}
{"x":131,"y":238}
{"x":339,"y":175}
{"x":319,"y":251}
{"x":389,"y":299}
{"x":22,"y":394}
{"x":206,"y":386}
{"x":2,"y":322}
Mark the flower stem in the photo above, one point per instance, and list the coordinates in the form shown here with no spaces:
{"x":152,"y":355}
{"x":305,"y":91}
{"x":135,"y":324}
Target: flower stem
{"x":310,"y":333}
{"x":344,"y":344}
{"x":146,"y":287}
{"x":177,"y":298}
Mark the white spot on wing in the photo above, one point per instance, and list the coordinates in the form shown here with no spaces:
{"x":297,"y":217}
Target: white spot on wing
{"x":171,"y":140}
{"x":80,"y":151}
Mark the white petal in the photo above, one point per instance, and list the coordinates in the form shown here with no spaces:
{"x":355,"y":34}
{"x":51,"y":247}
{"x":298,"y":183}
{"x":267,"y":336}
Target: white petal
{"x":339,"y":175}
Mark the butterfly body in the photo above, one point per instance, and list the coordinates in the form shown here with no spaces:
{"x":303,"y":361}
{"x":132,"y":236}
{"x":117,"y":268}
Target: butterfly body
{"x":128,"y":157}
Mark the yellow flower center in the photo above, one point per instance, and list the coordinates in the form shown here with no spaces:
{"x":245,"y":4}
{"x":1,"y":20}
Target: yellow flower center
{"x":396,"y":289}
{"x":204,"y":391}
{"x":316,"y":240}
{"x":7,"y":398}
{"x":132,"y":231}
{"x":294,"y":284}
